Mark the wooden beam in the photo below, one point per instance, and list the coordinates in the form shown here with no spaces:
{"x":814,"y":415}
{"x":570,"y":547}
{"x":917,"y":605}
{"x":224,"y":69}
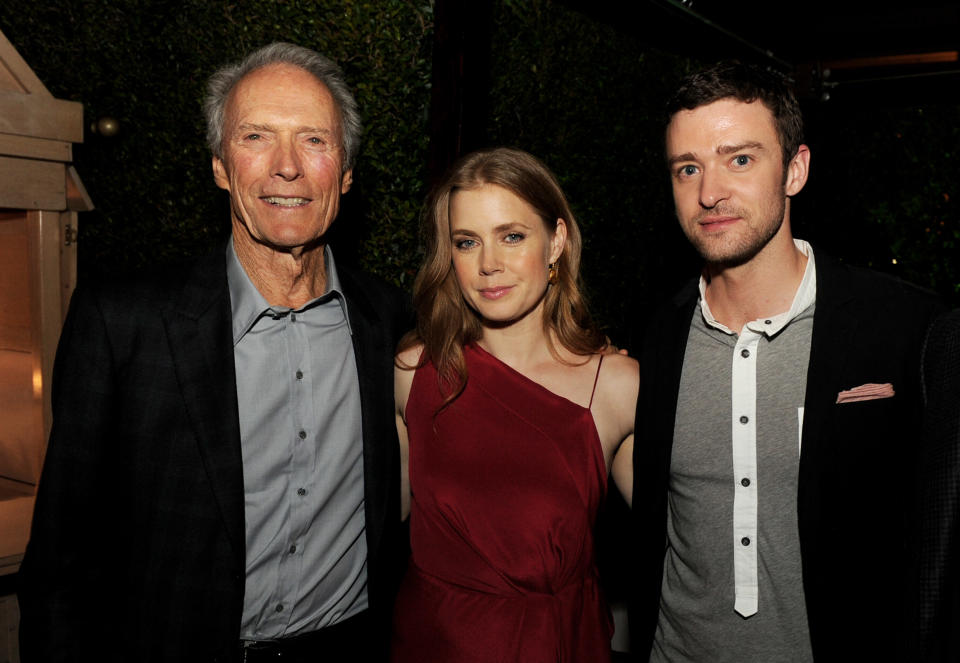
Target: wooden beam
{"x":78,"y":200}
{"x":35,"y":148}
{"x":41,"y":117}
{"x":16,"y":71}
{"x":29,"y":184}
{"x":903,"y":59}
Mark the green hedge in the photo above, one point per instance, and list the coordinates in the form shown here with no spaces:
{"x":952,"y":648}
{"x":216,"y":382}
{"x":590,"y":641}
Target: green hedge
{"x":584,"y":96}
{"x":146,"y":64}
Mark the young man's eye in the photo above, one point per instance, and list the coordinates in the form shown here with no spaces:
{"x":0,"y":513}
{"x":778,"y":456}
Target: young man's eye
{"x":741,"y":160}
{"x":687,"y":171}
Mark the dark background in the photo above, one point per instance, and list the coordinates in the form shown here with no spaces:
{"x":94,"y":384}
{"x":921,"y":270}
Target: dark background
{"x":579,"y":84}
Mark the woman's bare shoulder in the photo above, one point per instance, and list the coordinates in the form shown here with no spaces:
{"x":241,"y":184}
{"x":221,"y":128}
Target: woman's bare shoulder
{"x":619,"y":380}
{"x":409,"y":358}
{"x":620,"y":367}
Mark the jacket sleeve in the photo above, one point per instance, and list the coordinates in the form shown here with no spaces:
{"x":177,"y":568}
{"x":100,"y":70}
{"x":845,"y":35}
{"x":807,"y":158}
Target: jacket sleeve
{"x":59,"y":575}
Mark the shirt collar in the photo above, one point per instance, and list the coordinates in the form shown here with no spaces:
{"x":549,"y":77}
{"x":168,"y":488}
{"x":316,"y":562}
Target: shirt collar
{"x":805,"y":296}
{"x":247,"y":305}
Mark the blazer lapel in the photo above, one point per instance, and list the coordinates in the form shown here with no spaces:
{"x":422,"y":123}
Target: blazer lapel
{"x":673,"y":350}
{"x":373,"y":351}
{"x":198,"y":323}
{"x":834,"y":331}
{"x":835,"y":324}
{"x":660,"y":371}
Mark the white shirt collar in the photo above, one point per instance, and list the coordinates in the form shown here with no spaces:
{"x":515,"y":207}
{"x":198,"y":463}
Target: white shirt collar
{"x":805,"y":296}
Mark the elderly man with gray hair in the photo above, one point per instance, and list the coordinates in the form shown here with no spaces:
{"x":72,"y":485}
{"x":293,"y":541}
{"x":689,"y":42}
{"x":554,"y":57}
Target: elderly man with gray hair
{"x":222,"y":476}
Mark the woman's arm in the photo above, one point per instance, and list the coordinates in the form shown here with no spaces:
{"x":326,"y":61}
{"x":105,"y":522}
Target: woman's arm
{"x":614,"y":414}
{"x":403,"y":370}
{"x":622,"y":470}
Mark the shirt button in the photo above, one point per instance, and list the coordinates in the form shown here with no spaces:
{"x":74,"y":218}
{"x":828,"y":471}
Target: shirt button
{"x":293,"y":317}
{"x":279,"y":607}
{"x":767,"y":322}
{"x":745,"y":540}
{"x":299,"y":375}
{"x":293,"y":549}
{"x":301,"y":491}
{"x":744,"y":482}
{"x":744,"y":419}
{"x":744,"y":353}
{"x":302,"y":435}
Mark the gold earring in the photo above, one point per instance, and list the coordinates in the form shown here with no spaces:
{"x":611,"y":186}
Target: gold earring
{"x":552,"y":273}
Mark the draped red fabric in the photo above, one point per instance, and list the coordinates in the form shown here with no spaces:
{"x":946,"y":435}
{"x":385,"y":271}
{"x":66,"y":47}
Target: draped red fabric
{"x":506,"y":484}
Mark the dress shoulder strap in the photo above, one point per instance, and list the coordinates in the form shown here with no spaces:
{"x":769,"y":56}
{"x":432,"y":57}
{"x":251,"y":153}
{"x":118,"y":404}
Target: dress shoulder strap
{"x":596,"y":378}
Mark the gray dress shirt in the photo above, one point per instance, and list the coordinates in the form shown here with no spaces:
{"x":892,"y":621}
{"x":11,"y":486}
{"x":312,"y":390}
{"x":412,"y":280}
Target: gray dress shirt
{"x":302,"y":444}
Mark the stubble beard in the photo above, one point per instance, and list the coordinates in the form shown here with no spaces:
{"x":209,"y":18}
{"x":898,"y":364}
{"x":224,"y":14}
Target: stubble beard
{"x":739,"y":245}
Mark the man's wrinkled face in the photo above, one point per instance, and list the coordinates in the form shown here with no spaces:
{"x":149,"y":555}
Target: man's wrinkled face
{"x":282,"y":158}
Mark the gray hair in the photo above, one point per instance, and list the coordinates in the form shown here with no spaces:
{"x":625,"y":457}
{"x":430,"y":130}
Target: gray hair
{"x":323,"y":68}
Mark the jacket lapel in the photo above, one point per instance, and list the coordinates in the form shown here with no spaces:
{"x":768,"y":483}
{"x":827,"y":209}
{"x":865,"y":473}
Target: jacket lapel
{"x":661,"y":369}
{"x":198,"y":323}
{"x":835,"y":325}
{"x":834,"y":330}
{"x":372,"y":349}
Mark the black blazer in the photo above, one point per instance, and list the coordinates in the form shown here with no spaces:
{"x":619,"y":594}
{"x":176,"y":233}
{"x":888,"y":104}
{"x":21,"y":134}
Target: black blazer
{"x":939,"y":521}
{"x":137,"y":548}
{"x":856,"y":464}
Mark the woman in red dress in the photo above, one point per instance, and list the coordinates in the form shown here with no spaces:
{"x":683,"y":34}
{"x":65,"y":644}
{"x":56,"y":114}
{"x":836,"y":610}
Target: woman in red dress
{"x":511,"y":418}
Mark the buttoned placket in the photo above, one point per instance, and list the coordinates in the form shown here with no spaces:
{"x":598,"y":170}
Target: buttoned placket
{"x":296,"y":349}
{"x":744,"y":436}
{"x":744,"y":432}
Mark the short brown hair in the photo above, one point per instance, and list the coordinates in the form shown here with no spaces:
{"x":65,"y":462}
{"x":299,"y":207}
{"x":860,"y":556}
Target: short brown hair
{"x":746,"y":83}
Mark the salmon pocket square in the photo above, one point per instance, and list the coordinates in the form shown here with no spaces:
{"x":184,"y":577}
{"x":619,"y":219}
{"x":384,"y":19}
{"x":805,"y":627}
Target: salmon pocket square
{"x":866,"y":392}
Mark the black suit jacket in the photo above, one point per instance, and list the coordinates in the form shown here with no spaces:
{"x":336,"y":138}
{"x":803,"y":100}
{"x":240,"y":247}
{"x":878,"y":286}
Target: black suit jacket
{"x":856,"y":465}
{"x":939,"y":521}
{"x":137,"y":548}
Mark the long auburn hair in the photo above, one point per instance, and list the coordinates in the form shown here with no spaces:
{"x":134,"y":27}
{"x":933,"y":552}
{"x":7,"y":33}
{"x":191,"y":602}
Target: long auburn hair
{"x":445,"y":322}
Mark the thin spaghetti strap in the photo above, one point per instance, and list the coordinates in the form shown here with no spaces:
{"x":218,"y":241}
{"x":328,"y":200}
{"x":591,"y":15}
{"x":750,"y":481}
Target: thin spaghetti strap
{"x":595,"y":380}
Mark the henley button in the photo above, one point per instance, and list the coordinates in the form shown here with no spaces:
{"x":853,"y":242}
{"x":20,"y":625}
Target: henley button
{"x":299,"y":375}
{"x":745,"y":540}
{"x":744,"y":353}
{"x":302,"y":435}
{"x":744,"y":482}
{"x":293,"y":549}
{"x":301,"y":491}
{"x":279,"y":607}
{"x":744,"y":419}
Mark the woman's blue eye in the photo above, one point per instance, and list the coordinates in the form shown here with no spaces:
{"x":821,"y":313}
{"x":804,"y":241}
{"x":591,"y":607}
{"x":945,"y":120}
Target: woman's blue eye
{"x":463,"y":243}
{"x":514,"y":237}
